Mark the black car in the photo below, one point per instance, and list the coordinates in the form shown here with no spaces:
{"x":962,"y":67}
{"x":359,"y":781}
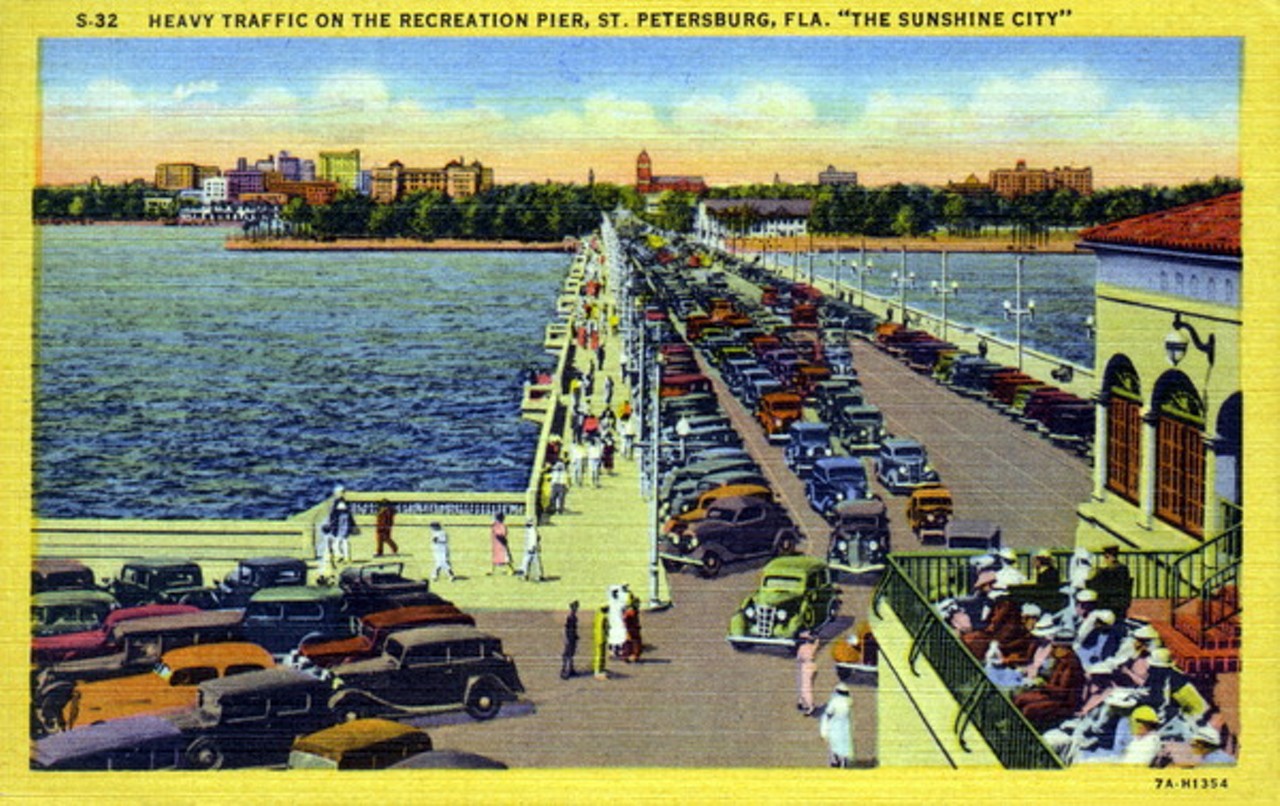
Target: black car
{"x":734,"y":528}
{"x":429,"y":670}
{"x":371,"y":587}
{"x":256,"y":573}
{"x":253,"y":718}
{"x":160,"y":582}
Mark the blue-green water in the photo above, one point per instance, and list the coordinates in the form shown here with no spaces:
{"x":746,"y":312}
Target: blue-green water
{"x":1061,"y":285}
{"x":175,"y":379}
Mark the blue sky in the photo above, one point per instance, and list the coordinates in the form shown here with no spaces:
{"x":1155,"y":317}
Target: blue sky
{"x":733,"y":109}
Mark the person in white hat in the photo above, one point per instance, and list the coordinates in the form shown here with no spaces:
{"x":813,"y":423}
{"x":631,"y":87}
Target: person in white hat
{"x":1145,"y":745}
{"x":339,"y":527}
{"x":1008,"y":574}
{"x":440,"y":552}
{"x":836,"y":726}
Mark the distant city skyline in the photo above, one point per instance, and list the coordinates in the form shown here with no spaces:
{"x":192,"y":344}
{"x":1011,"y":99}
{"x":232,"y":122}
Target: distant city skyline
{"x":732,"y":110}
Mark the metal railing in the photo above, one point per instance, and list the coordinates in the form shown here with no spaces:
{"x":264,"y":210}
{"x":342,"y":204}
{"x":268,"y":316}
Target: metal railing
{"x":1015,"y":743}
{"x":1209,"y":575}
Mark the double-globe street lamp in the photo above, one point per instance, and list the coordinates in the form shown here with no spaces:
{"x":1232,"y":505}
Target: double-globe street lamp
{"x":904,"y":280}
{"x":1014,"y":310}
{"x":943,"y":290}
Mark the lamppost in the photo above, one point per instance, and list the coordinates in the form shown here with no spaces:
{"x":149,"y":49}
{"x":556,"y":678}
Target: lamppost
{"x":1014,"y":310}
{"x":651,"y":450}
{"x":904,"y":280}
{"x":863,"y":266}
{"x":943,"y":290}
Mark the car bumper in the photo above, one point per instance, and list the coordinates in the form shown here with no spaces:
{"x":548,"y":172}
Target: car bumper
{"x":857,"y":568}
{"x":684,"y":559}
{"x":754,"y":640}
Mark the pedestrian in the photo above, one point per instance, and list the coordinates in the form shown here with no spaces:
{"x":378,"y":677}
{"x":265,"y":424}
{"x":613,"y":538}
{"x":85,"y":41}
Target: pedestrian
{"x":595,"y":459}
{"x":1113,"y":582}
{"x":836,"y":726}
{"x":607,"y":452}
{"x":617,"y":626}
{"x":339,"y":527}
{"x":440,"y":552}
{"x":532,"y":553}
{"x":559,"y":487}
{"x":570,"y":642}
{"x":599,"y":643}
{"x":627,"y":424}
{"x":806,"y":671}
{"x":499,"y":547}
{"x":577,"y":458}
{"x":631,"y":622}
{"x":608,"y":391}
{"x":386,"y":519}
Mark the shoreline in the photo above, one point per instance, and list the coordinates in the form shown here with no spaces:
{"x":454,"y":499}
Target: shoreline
{"x":392,"y":245}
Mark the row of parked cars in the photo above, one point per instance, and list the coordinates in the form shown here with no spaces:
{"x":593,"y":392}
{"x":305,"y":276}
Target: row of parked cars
{"x":1062,"y":417}
{"x":286,"y":658}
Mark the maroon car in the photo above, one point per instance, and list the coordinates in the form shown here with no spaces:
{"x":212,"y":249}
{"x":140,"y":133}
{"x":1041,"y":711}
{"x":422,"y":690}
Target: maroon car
{"x":374,"y":629}
{"x":101,"y":640}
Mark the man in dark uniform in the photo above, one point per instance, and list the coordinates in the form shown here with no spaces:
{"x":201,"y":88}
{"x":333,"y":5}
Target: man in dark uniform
{"x":1113,"y":583}
{"x":570,"y":642}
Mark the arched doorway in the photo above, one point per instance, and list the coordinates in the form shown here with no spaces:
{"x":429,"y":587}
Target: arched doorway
{"x":1229,"y":467}
{"x":1180,"y":453}
{"x":1124,"y":428}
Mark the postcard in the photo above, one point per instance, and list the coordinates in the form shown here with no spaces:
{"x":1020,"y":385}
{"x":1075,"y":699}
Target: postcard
{"x":709,"y":401}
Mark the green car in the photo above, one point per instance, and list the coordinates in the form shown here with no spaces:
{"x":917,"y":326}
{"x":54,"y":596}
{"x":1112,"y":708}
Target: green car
{"x":64,"y":611}
{"x":796,"y":593}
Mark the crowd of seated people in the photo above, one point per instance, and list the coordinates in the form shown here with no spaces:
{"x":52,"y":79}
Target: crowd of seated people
{"x":1097,"y":684}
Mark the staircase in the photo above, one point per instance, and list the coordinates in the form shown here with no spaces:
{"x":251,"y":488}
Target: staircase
{"x":1203,"y":629}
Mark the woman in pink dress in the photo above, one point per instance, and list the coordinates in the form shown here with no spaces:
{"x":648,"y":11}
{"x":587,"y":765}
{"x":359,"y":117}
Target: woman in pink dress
{"x":501,"y":549}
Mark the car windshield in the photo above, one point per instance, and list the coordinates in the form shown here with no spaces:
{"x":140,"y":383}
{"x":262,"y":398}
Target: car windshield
{"x":774,"y":582}
{"x":935,"y":501}
{"x":786,"y":405}
{"x":845,"y":472}
{"x":908,"y":452}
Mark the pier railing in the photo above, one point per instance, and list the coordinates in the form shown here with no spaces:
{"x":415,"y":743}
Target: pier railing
{"x":982,"y":705}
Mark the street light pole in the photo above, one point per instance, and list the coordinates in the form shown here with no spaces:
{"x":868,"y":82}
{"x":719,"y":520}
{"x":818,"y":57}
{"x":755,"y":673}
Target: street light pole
{"x":1015,"y":311}
{"x":945,"y":291}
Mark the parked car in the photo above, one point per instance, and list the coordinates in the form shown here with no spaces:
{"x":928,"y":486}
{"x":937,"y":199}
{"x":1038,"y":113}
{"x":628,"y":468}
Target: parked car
{"x":859,"y":539}
{"x":972,"y":534}
{"x":279,"y":619}
{"x":427,"y":670}
{"x":374,"y":630}
{"x":685,"y":495}
{"x":710,"y":498}
{"x":776,"y":412}
{"x":370,"y":587}
{"x":160,"y":581}
{"x":68,"y":611}
{"x":253,"y":718}
{"x":809,"y":442}
{"x":57,"y":574}
{"x":139,"y":643}
{"x":252,"y":575}
{"x":733,"y":529}
{"x":796,"y":593}
{"x":859,"y":428}
{"x":902,"y":464}
{"x":928,"y":511}
{"x":138,"y":744}
{"x":171,"y":684}
{"x":362,"y":744}
{"x":836,"y":479}
{"x":97,"y":641}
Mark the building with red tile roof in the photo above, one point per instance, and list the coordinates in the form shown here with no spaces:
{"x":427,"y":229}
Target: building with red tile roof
{"x":1211,"y":227}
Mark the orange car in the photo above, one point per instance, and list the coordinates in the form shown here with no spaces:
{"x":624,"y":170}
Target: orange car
{"x":776,"y":412}
{"x":678,"y":523}
{"x":174,"y":683}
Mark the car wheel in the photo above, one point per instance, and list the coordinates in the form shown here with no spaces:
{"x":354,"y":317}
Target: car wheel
{"x":483,"y":702}
{"x":741,"y":647}
{"x":711,"y":565}
{"x":205,"y":754}
{"x":49,"y":708}
{"x":784,"y":543}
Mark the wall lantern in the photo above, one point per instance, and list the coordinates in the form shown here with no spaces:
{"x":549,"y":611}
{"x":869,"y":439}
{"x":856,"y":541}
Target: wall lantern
{"x":1175,"y":344}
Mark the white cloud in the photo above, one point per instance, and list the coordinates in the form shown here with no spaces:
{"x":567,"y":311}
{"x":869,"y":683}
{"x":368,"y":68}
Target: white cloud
{"x":604,"y":115}
{"x":761,"y":107}
{"x":271,"y":98}
{"x":353,"y":90}
{"x":184,"y":91}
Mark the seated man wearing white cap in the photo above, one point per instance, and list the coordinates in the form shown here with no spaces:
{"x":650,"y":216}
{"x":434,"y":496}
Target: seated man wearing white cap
{"x":1176,"y":699}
